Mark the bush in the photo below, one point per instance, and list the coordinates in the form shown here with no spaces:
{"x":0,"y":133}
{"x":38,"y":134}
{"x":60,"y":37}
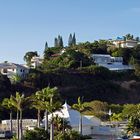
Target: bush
{"x":97,"y":71}
{"x":37,"y":134}
{"x":71,"y":135}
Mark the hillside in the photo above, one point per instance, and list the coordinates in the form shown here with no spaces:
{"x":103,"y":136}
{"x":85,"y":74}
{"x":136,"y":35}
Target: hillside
{"x":112,"y":87}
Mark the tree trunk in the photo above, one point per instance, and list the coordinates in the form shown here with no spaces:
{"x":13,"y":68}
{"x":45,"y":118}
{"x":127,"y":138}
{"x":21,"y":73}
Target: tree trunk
{"x":20,"y":128}
{"x":46,"y":120}
{"x":11,"y":122}
{"x":38,"y":118}
{"x":52,"y":129}
{"x":80,"y":125}
{"x":17,"y":124}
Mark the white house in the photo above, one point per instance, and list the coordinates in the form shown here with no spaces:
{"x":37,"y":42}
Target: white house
{"x":120,"y":42}
{"x":36,"y":61}
{"x":91,"y":124}
{"x":73,"y":117}
{"x":26,"y":123}
{"x":106,"y":59}
{"x":11,"y":69}
{"x":112,"y":63}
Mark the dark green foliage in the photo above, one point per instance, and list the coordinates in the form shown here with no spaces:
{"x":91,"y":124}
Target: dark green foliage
{"x":73,"y":84}
{"x":97,"y":71}
{"x":76,"y":59}
{"x":131,"y":113}
{"x":129,"y":36}
{"x":58,"y":42}
{"x":123,"y":75}
{"x":69,"y":59}
{"x":135,"y":60}
{"x":126,"y":53}
{"x":4,"y":82}
{"x":46,"y":45}
{"x":137,"y":38}
{"x":37,"y":79}
{"x":71,"y":135}
{"x":100,"y":47}
{"x":41,"y":134}
{"x":37,"y":134}
{"x":28,"y":56}
{"x":55,"y":42}
{"x":48,"y":53}
{"x":5,"y":87}
{"x":116,"y":108}
{"x":61,"y":124}
{"x":97,"y":47}
{"x":70,"y":40}
{"x":74,"y":40}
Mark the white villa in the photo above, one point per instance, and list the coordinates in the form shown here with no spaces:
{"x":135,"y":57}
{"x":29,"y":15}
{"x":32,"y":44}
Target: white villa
{"x":5,"y":124}
{"x":91,"y":125}
{"x":11,"y":69}
{"x":112,"y":63}
{"x":120,"y":42}
{"x":73,"y":117}
{"x":36,"y":61}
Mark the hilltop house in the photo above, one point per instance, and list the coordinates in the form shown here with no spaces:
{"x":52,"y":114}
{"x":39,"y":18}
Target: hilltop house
{"x":112,"y":63}
{"x":11,"y":69}
{"x":36,"y":61}
{"x":120,"y":42}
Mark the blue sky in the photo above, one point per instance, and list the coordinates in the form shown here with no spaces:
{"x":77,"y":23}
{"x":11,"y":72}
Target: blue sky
{"x":25,"y":25}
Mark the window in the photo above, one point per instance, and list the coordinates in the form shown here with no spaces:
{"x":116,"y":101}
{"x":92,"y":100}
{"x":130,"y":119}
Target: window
{"x":4,"y":70}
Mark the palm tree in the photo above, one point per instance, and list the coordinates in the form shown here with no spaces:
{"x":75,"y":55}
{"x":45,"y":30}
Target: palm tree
{"x":6,"y":103}
{"x":51,"y":103}
{"x":15,"y":78}
{"x":61,"y":124}
{"x":37,"y":104}
{"x":79,"y":107}
{"x":20,"y":102}
{"x":45,"y":98}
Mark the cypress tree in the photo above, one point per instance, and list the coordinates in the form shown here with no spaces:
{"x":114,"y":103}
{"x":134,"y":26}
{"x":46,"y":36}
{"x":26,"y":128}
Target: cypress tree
{"x":137,"y":38}
{"x":61,"y":42}
{"x":73,"y":40}
{"x":70,"y":40}
{"x":46,"y":45}
{"x":55,"y":42}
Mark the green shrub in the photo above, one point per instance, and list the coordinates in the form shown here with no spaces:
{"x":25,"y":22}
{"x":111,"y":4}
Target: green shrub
{"x":37,"y":134}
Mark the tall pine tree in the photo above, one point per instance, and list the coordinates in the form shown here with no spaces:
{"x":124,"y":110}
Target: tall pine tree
{"x":61,"y":42}
{"x":55,"y":42}
{"x":46,"y":45}
{"x":58,"y":42}
{"x":70,"y":40}
{"x":73,"y":40}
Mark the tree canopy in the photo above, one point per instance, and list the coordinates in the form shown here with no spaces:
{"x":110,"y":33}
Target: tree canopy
{"x":28,"y":56}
